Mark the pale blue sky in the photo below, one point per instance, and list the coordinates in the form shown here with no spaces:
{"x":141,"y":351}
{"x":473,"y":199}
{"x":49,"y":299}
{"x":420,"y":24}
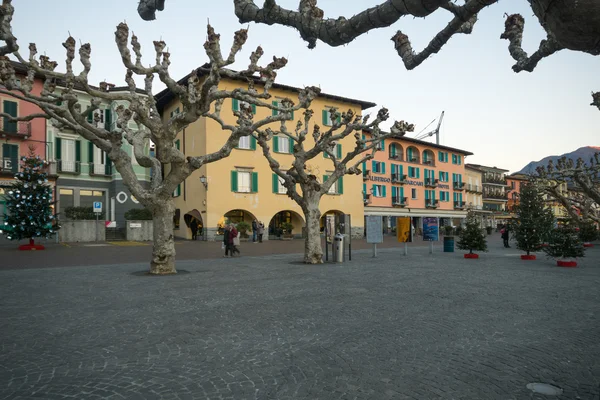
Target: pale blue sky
{"x":506,"y":119}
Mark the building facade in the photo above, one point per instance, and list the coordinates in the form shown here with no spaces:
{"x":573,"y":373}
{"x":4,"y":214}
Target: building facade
{"x":495,"y":194}
{"x":417,"y":179}
{"x":474,"y":193}
{"x":86,"y":174}
{"x":516,"y":180}
{"x":242,"y":187}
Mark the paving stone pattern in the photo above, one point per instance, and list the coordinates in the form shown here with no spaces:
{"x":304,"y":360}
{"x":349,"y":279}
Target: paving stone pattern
{"x":397,"y":327}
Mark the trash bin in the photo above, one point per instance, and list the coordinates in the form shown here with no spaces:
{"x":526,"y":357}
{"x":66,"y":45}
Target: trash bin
{"x":338,"y":248}
{"x":448,"y":244}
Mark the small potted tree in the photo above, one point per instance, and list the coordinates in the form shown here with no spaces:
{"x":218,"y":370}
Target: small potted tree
{"x":587,"y":233}
{"x":471,"y":237}
{"x":534,"y":221}
{"x":489,"y":230}
{"x":243,"y":228}
{"x":286,"y":231}
{"x":564,"y":243}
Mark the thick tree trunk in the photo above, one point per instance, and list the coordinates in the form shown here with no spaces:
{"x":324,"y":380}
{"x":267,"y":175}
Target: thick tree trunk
{"x":313,"y":252}
{"x":163,"y":251}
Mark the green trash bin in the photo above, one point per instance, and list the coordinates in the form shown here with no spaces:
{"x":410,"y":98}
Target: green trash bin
{"x":448,"y":244}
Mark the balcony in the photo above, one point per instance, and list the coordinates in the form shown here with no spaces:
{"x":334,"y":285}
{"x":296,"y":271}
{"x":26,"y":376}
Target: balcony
{"x":459,"y":205}
{"x":495,"y":179}
{"x":432,"y":203}
{"x":428,"y":161}
{"x":19,"y":129}
{"x":9,"y":166}
{"x":400,"y":179}
{"x":68,"y":167}
{"x":100,"y":169}
{"x":366,"y":175}
{"x":366,"y":199}
{"x":397,"y":156}
{"x":496,"y":196}
{"x":458,"y":185}
{"x":399,"y":201}
{"x":432,"y":183}
{"x":51,"y":168}
{"x":473,"y":188}
{"x":413,"y":160}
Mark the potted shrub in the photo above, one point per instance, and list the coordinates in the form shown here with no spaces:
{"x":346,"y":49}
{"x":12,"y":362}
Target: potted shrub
{"x":564,"y":243}
{"x":587,"y":233}
{"x":489,"y":230}
{"x":448,"y":230}
{"x":471,"y":237}
{"x":286,"y":230}
{"x":243,"y":228}
{"x":534,"y":221}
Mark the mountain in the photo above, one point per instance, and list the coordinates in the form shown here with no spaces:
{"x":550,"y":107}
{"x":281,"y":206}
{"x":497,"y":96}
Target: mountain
{"x":583,"y":152}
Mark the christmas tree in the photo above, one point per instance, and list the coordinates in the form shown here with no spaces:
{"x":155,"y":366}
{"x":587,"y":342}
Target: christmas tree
{"x":587,"y":231}
{"x":472,"y":237}
{"x":534,"y":219}
{"x":564,"y":242}
{"x":29,"y":202}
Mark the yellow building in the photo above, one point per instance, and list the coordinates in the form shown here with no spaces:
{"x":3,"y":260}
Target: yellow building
{"x":474,"y":192}
{"x":242,"y":187}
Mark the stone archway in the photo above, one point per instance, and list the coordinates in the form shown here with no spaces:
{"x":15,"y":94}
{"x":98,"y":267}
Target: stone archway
{"x":275,"y":230}
{"x":331,"y":218}
{"x":194,"y":215}
{"x":235,"y":216}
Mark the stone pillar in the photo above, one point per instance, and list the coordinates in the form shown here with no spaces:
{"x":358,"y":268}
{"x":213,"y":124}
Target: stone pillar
{"x":211,"y":234}
{"x":358,"y":232}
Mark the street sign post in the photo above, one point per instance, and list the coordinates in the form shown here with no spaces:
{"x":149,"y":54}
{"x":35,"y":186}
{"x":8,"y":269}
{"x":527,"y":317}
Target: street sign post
{"x":98,"y":211}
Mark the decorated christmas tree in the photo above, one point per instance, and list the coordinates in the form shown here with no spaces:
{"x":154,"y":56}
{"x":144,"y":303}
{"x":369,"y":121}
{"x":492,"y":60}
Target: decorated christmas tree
{"x":564,"y":242}
{"x":29,"y":203}
{"x":472,"y":237}
{"x":534,"y":219}
{"x":587,"y":231}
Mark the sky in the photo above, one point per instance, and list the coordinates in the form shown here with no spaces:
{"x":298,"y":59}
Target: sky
{"x":505,"y":119}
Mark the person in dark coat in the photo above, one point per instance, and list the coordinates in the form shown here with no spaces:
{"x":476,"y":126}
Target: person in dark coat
{"x":505,"y":236}
{"x":227,"y":242}
{"x":254,"y":230}
{"x":194,"y":228}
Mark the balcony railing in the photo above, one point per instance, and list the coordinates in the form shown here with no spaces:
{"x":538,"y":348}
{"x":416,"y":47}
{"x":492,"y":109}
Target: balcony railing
{"x":413,"y":160}
{"x":473,"y":188}
{"x":432,"y":203}
{"x":100,"y":169}
{"x":366,"y":199}
{"x":458,"y":185}
{"x":15,"y":129}
{"x":497,"y":180}
{"x":397,"y":178}
{"x":495,"y":196}
{"x":398,"y":201}
{"x":51,"y":168}
{"x":431,"y":182}
{"x":366,"y":175}
{"x":9,"y":165}
{"x":428,"y":162}
{"x":459,"y":205}
{"x":68,"y":167}
{"x":397,"y":156}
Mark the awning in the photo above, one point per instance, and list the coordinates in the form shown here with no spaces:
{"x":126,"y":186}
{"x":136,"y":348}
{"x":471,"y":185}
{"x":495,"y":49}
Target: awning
{"x":405,"y":212}
{"x":188,"y":216}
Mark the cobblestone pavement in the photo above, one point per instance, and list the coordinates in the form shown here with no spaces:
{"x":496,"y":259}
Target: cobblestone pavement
{"x":397,"y":327}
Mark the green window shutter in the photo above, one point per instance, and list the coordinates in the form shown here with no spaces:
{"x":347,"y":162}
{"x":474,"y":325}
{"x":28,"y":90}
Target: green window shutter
{"x":401,"y":192}
{"x":91,"y":152}
{"x":339,"y":151}
{"x":90,"y":117}
{"x":108,"y":119}
{"x":364,"y":166}
{"x":276,"y":144}
{"x":58,"y":149}
{"x":340,"y":185}
{"x":325,"y":177}
{"x":252,"y":143}
{"x":275,"y":183}
{"x":373,"y":165}
{"x":78,"y":150}
{"x":255,"y":182}
{"x":10,"y":108}
{"x":409,"y":153}
{"x":440,"y":156}
{"x":292,"y":115}
{"x":394,"y":190}
{"x":454,"y":196}
{"x":460,"y":197}
{"x":418,"y":172}
{"x":382,"y":144}
{"x":427,"y":195}
{"x":177,"y":144}
{"x":108,"y":166}
{"x":291,"y":145}
{"x":393,"y":150}
{"x":383,"y":191}
{"x":325,"y":112}
{"x":363,"y":137}
{"x":339,"y":119}
{"x":441,"y":176}
{"x":364,"y":191}
{"x":234,"y":181}
{"x":394,"y":169}
{"x":325,"y":155}
{"x":383,"y":168}
{"x":235,"y":104}
{"x":401,"y":171}
{"x":253,"y":108}
{"x":274,"y":112}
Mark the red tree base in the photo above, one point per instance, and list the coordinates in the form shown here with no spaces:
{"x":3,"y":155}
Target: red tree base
{"x":544,"y":245}
{"x":588,"y":245}
{"x":31,"y":246}
{"x":569,"y":264}
{"x":471,"y":255}
{"x":528,"y":257}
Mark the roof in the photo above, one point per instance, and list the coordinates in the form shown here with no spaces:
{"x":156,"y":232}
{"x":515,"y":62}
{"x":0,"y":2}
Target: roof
{"x":485,"y":168}
{"x":518,"y":176}
{"x":163,"y":98}
{"x":471,"y":167}
{"x":437,"y":146}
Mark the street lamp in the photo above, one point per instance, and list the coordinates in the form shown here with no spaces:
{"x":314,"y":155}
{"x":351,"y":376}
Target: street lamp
{"x":204,"y":181}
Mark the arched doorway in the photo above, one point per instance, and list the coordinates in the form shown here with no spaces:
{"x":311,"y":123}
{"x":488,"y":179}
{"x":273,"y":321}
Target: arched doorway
{"x":285,"y":219}
{"x":235,"y":217}
{"x":194,"y":216}
{"x":332,"y":219}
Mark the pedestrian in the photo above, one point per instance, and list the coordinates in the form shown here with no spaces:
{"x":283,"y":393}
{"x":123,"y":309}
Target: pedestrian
{"x":194,"y":228}
{"x":234,"y":240}
{"x":261,"y":231}
{"x":254,"y":230}
{"x":505,"y":236}
{"x":226,"y":242}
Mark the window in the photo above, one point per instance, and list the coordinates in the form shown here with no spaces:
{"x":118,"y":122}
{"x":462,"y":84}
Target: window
{"x":66,"y":199}
{"x":283,"y":144}
{"x":275,"y":112}
{"x":247,"y":143}
{"x":378,"y":167}
{"x":429,"y":197}
{"x":414,"y":172}
{"x":88,"y":197}
{"x":457,"y":178}
{"x":338,"y":152}
{"x":327,"y":117}
{"x":10,"y":108}
{"x":68,"y":154}
{"x":444,"y":196}
{"x":397,"y":194}
{"x":458,"y":198}
{"x":456,"y":159}
{"x":10,"y":157}
{"x":413,"y":193}
{"x":443,"y":176}
{"x":243,"y":181}
{"x":235,"y":105}
{"x":381,"y":145}
{"x":337,"y":187}
{"x":379,"y":190}
{"x":443,"y":156}
{"x":174,"y":112}
{"x":278,"y":187}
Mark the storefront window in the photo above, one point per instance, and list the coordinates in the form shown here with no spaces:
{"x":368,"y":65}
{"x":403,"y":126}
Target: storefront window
{"x":66,"y":199}
{"x":88,"y":197}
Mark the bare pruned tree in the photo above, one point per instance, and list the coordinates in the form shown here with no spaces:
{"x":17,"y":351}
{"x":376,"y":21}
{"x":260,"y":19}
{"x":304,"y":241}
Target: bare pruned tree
{"x":301,"y":182}
{"x":582,"y":199}
{"x":568,"y":25}
{"x":199,"y":98}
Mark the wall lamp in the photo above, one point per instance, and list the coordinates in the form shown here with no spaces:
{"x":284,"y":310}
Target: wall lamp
{"x":204,"y":181}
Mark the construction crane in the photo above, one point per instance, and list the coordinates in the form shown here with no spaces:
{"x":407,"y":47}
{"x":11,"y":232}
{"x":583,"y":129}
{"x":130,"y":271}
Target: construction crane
{"x":436,"y":131}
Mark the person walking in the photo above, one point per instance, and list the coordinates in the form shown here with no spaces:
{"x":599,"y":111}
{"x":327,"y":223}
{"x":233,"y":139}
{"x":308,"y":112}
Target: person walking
{"x":505,"y":236}
{"x":194,"y":228}
{"x":234,"y":239}
{"x":261,"y":231}
{"x":254,"y":230}
{"x":226,"y":243}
